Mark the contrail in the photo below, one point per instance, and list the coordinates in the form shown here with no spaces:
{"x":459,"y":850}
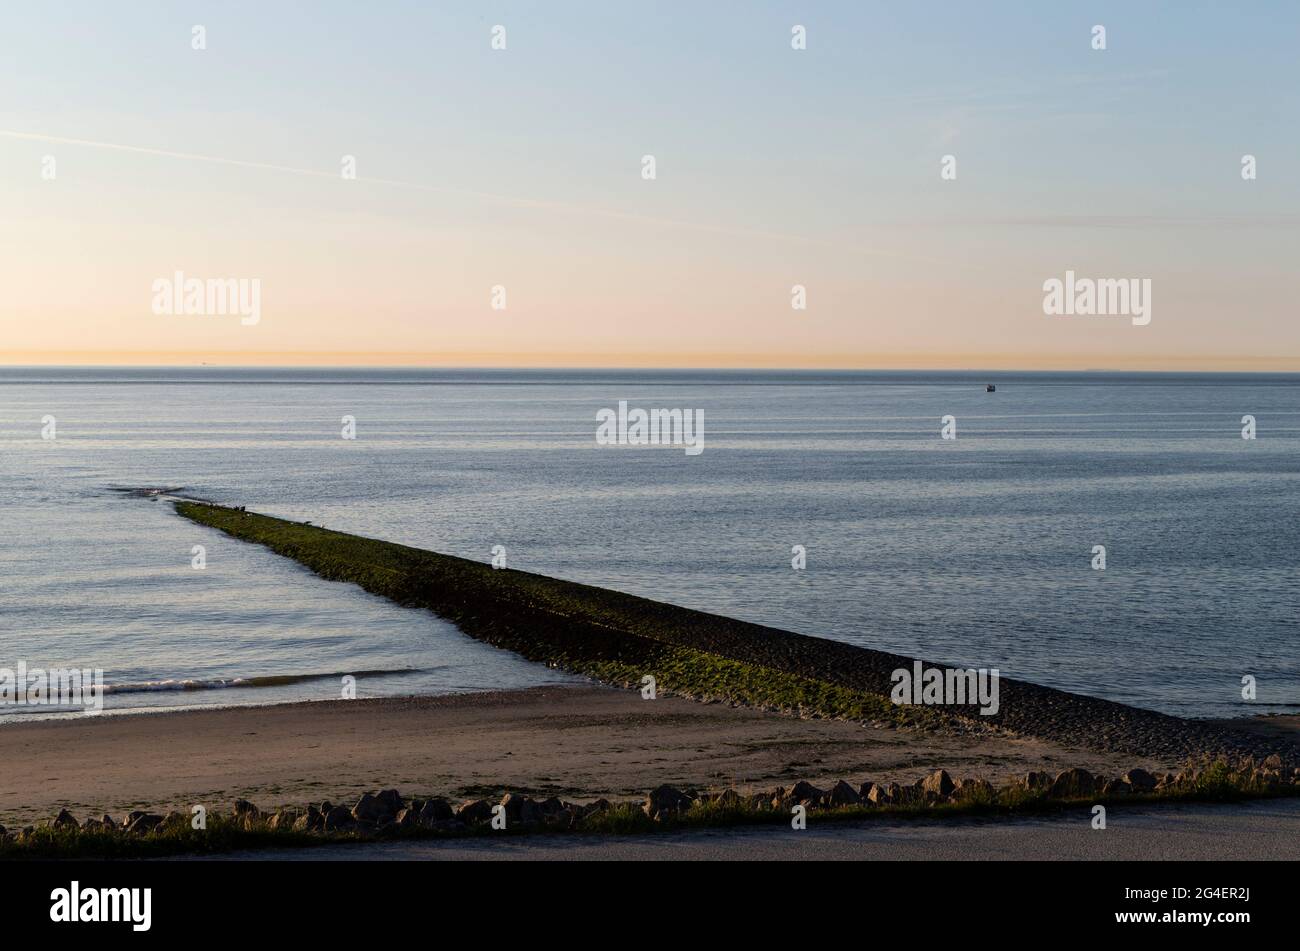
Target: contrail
{"x":512,"y":200}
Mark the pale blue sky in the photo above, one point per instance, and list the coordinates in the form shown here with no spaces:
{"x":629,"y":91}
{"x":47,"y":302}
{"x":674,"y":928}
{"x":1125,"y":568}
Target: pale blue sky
{"x":774,"y":167}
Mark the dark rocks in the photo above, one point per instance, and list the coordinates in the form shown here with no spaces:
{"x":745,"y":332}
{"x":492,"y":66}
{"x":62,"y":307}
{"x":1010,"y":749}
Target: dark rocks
{"x":435,"y":810}
{"x":842,"y":794}
{"x":908,"y":795}
{"x":937,"y":786}
{"x":474,"y":811}
{"x":284,"y":819}
{"x":370,"y":809}
{"x":727,"y":799}
{"x":338,"y":819}
{"x":1139,"y":780}
{"x":884,"y":795}
{"x":974,"y":790}
{"x":806,"y":794}
{"x":391,"y":802}
{"x":313,"y":820}
{"x":663,"y":802}
{"x":521,"y":811}
{"x":558,"y":814}
{"x":1073,"y":783}
{"x":65,"y":820}
{"x":1035,"y":781}
{"x":246,"y":814}
{"x":1116,"y":787}
{"x":141,"y":822}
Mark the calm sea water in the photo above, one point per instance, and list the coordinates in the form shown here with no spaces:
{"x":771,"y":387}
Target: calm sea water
{"x":974,"y":552}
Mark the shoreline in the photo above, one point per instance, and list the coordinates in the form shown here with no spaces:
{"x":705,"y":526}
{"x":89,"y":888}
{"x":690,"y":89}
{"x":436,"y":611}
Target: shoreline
{"x":619,"y":638}
{"x":578,"y":742}
{"x":1272,"y":724}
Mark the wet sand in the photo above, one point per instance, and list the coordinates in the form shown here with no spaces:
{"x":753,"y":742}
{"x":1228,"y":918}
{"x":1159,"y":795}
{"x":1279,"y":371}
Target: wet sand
{"x":576,"y":742}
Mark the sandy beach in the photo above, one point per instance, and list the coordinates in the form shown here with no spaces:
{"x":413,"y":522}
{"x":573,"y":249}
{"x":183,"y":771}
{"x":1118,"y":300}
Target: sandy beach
{"x":578,"y":743}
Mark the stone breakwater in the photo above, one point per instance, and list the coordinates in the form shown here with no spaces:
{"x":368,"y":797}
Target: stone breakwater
{"x":389,"y":813}
{"x":619,"y":638}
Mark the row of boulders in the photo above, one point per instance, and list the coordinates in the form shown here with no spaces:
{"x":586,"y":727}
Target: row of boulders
{"x":388,"y":811}
{"x":1269,"y":776}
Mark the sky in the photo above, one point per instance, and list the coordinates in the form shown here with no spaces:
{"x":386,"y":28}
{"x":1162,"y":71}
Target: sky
{"x":127,"y":155}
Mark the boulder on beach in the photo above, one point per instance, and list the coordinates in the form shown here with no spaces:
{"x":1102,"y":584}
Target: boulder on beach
{"x":435,"y":810}
{"x":807,"y":794}
{"x":938,"y":785}
{"x":391,"y":801}
{"x":338,"y":818}
{"x":665,"y":801}
{"x":969,"y":790}
{"x":284,"y":819}
{"x":1116,"y":787}
{"x":1140,"y":780}
{"x":1073,"y":783}
{"x":474,"y":811}
{"x":884,"y":795}
{"x":1036,"y":781}
{"x":143,"y":821}
{"x":553,"y":806}
{"x":65,"y":820}
{"x":520,"y":810}
{"x":842,"y":794}
{"x":371,"y":810}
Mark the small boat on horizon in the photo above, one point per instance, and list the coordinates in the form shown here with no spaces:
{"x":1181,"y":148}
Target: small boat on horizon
{"x":990,"y":388}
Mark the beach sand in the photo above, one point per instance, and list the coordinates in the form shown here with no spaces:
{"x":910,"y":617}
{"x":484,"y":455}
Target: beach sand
{"x":579,"y":743}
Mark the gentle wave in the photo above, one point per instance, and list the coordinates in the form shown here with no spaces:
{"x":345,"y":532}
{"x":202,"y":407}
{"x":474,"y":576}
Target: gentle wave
{"x":272,"y":680}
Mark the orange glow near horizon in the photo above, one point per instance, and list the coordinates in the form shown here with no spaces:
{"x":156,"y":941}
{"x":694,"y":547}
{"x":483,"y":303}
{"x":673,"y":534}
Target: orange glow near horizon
{"x":935,"y":361}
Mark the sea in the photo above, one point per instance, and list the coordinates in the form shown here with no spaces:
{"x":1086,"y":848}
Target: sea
{"x":980,"y":550}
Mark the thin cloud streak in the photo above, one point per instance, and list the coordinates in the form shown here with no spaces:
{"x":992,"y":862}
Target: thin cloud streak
{"x":510,"y":200}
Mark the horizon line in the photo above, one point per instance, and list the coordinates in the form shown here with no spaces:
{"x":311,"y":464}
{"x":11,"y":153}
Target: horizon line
{"x":1260,"y":365}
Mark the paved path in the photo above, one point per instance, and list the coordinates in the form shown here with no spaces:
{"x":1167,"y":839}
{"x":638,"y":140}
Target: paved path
{"x":1267,"y":829}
